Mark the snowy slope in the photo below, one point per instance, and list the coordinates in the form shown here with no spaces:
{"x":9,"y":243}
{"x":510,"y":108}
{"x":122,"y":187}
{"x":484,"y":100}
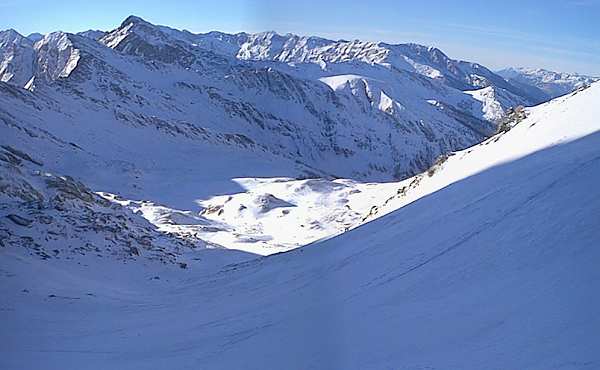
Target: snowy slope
{"x":556,"y":122}
{"x":167,"y":122}
{"x":495,"y":102}
{"x":493,"y":266}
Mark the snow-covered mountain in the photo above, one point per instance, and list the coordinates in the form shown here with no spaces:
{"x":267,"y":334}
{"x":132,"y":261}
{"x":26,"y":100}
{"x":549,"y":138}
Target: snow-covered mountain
{"x":333,"y":56}
{"x":433,"y":221}
{"x":164,"y":122}
{"x":16,"y":58}
{"x":93,"y":34}
{"x":35,"y":37}
{"x":178,"y":126}
{"x":545,"y":84}
{"x":139,"y":62}
{"x":491,"y":262}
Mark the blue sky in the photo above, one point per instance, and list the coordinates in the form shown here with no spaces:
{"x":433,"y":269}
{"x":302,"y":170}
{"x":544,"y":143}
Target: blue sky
{"x":560,"y":35}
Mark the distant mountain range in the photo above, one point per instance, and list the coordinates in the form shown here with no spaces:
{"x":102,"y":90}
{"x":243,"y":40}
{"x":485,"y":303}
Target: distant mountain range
{"x":431,"y":216}
{"x":126,"y":111}
{"x":545,"y":84}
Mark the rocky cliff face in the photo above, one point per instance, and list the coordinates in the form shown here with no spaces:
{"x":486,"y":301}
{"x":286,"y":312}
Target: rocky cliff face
{"x":17,"y":58}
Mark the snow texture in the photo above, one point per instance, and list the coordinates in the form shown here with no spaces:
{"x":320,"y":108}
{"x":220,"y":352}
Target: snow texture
{"x":428,"y":220}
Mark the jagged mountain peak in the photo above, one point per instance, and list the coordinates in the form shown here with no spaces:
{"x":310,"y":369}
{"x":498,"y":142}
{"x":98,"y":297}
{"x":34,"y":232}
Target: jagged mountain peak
{"x":219,"y":34}
{"x":138,"y":36}
{"x":11,"y":36}
{"x":56,"y":37}
{"x":420,"y":48}
{"x":10,"y":32}
{"x":541,"y":72}
{"x":134,"y":19}
{"x":16,"y":57}
{"x":57,"y":56}
{"x":415,"y":58}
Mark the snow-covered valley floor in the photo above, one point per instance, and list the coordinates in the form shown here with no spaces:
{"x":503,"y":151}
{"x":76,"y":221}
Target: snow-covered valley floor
{"x":173,"y":200}
{"x":491,"y":262}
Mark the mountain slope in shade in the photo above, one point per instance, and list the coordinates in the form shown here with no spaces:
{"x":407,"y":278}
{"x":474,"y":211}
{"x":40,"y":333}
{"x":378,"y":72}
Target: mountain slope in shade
{"x":93,"y":34}
{"x":54,"y":216}
{"x":493,"y":266}
{"x":35,"y":37}
{"x":549,"y":84}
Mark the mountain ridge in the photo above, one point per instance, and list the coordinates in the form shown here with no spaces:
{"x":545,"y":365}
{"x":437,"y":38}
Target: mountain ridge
{"x":549,"y":83}
{"x":493,"y":286}
{"x":314,"y":109}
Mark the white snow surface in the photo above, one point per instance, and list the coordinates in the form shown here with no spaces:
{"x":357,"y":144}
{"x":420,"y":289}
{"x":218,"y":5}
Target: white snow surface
{"x":549,"y":84}
{"x":495,"y":269}
{"x":143,"y":175}
{"x":172,"y":124}
{"x":554,"y":123}
{"x":495,"y":101}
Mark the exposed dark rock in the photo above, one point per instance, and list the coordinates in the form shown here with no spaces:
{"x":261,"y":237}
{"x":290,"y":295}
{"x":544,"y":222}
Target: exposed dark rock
{"x":21,"y":154}
{"x":21,"y":221}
